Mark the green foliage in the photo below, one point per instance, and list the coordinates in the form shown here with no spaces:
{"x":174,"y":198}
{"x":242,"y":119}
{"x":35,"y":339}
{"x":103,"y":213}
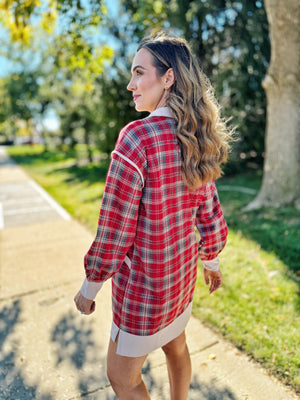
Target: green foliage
{"x":21,"y":90}
{"x":21,"y":17}
{"x":16,"y":15}
{"x":117,"y":107}
{"x":115,"y":111}
{"x":18,"y":103}
{"x":146,"y":15}
{"x":85,"y":81}
{"x":231,"y":40}
{"x":64,"y":75}
{"x":77,"y":106}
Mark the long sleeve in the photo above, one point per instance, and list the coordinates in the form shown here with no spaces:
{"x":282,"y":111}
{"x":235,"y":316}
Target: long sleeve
{"x":211,"y":225}
{"x":117,"y":221}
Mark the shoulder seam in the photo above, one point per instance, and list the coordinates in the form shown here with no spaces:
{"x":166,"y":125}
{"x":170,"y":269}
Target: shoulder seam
{"x":131,"y":163}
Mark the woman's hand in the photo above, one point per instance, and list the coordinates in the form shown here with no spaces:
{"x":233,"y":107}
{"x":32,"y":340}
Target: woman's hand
{"x":85,"y":306}
{"x":213,"y":278}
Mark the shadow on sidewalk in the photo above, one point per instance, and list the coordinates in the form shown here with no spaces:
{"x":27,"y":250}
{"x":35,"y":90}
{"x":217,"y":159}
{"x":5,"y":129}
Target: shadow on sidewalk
{"x":210,"y":391}
{"x":13,"y":384}
{"x":198,"y":390}
{"x":74,"y":344}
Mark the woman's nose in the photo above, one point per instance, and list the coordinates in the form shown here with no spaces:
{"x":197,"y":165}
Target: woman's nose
{"x":131,"y":85}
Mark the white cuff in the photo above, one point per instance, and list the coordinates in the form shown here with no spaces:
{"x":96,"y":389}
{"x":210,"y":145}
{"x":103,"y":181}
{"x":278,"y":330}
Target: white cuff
{"x":211,"y":265}
{"x":89,"y":290}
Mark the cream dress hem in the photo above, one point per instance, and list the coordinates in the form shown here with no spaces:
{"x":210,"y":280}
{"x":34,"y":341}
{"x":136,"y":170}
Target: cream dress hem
{"x":130,"y":345}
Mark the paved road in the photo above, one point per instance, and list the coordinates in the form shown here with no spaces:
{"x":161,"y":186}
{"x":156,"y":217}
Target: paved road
{"x":22,"y":201}
{"x":48,"y":351}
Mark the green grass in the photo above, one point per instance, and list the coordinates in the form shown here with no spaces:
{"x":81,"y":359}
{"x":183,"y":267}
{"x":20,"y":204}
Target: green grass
{"x":258,"y":306}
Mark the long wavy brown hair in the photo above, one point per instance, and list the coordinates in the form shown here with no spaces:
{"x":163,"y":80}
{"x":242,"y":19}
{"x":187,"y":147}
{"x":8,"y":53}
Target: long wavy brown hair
{"x":202,"y":134}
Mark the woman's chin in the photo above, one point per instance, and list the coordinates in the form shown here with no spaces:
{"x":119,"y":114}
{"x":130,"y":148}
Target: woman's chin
{"x":143,"y":109}
{"x":139,"y":108}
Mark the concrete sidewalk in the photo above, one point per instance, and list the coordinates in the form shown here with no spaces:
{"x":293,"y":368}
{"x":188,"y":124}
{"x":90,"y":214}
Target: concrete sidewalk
{"x":49,"y":351}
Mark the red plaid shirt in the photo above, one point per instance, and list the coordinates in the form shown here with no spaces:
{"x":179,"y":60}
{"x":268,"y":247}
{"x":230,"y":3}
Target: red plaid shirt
{"x":146,"y":231}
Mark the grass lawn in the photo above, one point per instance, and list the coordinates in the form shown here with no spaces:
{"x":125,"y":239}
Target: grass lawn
{"x":259,"y":304}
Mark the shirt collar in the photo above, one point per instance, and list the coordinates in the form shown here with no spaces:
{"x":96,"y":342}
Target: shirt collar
{"x":162,"y":112}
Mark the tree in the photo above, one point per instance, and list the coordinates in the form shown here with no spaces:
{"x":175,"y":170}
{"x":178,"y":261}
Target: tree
{"x":19,"y":102}
{"x":68,"y":28}
{"x":21,"y":16}
{"x":77,"y":105}
{"x":231,"y":41}
{"x":116,"y":106}
{"x":281,"y":179}
{"x":65,"y":36}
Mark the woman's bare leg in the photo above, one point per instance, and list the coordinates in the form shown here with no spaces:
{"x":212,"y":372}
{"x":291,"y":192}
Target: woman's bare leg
{"x":125,"y":375}
{"x":179,"y":367}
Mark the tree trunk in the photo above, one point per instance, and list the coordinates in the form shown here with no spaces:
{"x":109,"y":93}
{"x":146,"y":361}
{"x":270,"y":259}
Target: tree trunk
{"x":281,"y":179}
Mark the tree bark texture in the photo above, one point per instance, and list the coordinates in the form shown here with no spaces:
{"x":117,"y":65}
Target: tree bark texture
{"x":281,"y":179}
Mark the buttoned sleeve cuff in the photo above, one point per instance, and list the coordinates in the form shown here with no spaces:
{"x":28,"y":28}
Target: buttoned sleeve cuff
{"x":211,"y":265}
{"x":89,"y":290}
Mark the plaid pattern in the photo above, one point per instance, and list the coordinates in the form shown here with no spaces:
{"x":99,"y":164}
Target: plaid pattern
{"x":148,"y":216}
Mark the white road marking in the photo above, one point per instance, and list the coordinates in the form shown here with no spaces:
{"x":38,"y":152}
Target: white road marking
{"x":27,"y":210}
{"x":1,"y":217}
{"x":16,"y":202}
{"x":58,"y":208}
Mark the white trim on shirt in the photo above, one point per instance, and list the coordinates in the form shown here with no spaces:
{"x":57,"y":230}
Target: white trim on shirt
{"x":89,"y":290}
{"x":211,"y":265}
{"x":131,"y":163}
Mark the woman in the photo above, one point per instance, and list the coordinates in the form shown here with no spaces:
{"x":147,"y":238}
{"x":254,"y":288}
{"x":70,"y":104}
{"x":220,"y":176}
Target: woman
{"x":160,"y":185}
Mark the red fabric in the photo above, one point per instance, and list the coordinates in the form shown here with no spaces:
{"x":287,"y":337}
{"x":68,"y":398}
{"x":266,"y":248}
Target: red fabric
{"x":149,"y":216}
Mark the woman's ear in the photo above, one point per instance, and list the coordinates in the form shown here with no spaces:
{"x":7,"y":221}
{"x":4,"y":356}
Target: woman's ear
{"x":169,"y":78}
